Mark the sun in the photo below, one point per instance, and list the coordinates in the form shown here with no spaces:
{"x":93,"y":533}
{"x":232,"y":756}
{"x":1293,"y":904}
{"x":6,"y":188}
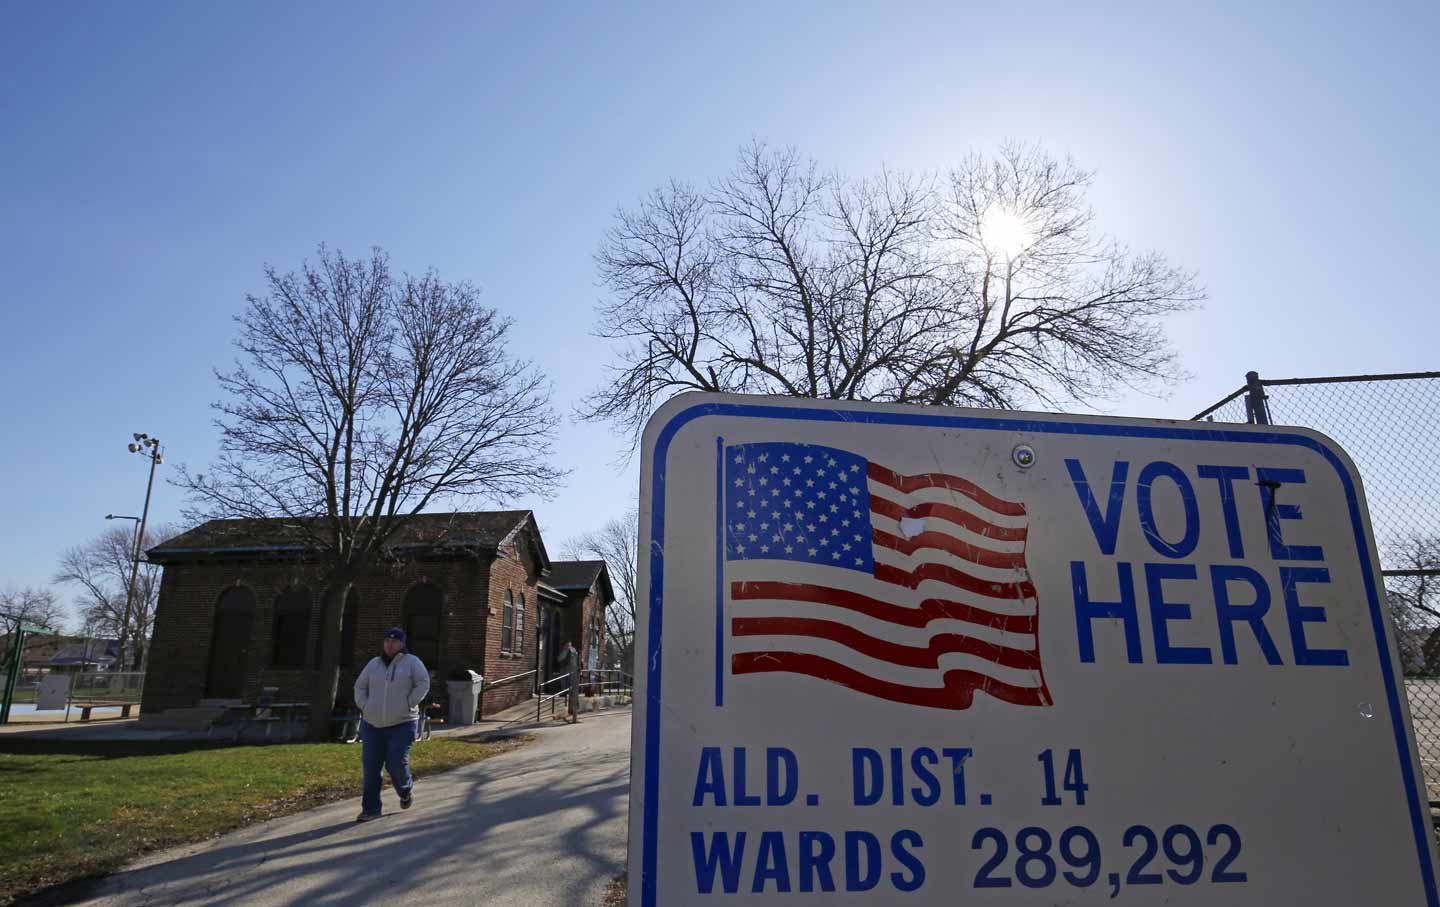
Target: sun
{"x":1004,"y":232}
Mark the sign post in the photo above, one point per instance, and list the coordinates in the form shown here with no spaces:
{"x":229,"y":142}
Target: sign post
{"x":937,"y":656}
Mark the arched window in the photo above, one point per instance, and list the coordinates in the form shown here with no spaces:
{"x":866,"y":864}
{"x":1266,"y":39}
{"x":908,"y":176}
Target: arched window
{"x":422,"y":622}
{"x":520,"y":624}
{"x":347,"y":629}
{"x":291,"y":637}
{"x":507,"y":623}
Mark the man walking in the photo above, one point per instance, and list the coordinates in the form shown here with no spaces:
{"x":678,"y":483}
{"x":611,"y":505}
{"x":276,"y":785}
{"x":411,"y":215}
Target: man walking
{"x":388,"y":692}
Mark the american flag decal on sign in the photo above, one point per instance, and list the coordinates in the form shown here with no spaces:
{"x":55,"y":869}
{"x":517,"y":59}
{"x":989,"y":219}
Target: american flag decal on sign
{"x":909,"y":588}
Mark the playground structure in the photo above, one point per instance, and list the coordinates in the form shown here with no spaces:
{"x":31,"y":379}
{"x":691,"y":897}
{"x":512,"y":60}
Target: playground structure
{"x":23,"y":630}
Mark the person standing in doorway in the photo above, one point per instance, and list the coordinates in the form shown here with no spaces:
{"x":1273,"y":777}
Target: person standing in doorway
{"x":388,"y":693}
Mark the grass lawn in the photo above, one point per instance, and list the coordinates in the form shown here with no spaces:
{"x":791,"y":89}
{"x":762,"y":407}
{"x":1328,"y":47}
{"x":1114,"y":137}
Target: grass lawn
{"x":74,"y":809}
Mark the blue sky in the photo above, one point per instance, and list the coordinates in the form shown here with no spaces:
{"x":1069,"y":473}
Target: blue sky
{"x":153,"y":158}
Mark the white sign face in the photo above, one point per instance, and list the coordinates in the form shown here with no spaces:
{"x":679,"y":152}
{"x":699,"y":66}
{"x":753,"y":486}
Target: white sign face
{"x":54,"y":692}
{"x":938,"y":656}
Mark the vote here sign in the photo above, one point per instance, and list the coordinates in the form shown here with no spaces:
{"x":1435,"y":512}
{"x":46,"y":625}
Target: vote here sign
{"x":895,"y":655}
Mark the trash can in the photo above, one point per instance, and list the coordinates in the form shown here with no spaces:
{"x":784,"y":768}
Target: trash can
{"x":464,"y":688}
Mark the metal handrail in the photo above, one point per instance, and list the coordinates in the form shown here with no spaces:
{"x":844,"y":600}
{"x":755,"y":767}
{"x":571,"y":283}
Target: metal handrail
{"x":487,"y":686}
{"x":541,"y":699}
{"x":504,"y":680}
{"x":623,"y":683}
{"x":625,"y":680}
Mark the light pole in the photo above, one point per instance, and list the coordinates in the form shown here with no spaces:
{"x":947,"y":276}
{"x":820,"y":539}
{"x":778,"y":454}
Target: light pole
{"x":134,"y":546}
{"x":149,"y":448}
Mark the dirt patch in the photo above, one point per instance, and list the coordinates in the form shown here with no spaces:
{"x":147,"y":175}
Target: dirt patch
{"x":616,"y":894}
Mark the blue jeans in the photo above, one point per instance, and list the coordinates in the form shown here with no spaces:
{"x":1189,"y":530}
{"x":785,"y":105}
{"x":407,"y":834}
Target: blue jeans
{"x":387,"y":747}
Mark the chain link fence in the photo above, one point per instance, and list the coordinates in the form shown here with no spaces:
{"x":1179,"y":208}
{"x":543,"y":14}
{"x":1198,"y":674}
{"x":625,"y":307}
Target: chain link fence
{"x":1390,"y":426}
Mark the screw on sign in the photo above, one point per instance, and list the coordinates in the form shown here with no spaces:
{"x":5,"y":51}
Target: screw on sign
{"x":948,"y":655}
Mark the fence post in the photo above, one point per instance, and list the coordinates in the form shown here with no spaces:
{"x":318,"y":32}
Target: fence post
{"x":1256,"y":408}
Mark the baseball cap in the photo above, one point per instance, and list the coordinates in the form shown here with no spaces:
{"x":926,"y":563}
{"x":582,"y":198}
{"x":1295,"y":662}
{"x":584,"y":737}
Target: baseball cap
{"x":395,"y":633}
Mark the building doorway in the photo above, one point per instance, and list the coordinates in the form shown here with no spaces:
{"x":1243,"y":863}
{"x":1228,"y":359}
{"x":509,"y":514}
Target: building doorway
{"x":230,"y":644}
{"x":421,"y":616}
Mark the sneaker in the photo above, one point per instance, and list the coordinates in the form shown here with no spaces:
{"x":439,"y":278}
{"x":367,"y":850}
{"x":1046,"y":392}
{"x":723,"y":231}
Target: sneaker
{"x":406,"y":799}
{"x":366,"y":817}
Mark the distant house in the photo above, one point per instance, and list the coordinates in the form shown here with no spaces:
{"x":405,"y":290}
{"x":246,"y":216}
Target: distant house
{"x":45,"y":653}
{"x":84,"y":655}
{"x":239,"y":608}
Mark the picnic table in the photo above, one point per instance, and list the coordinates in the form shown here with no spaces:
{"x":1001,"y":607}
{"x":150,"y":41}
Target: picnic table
{"x":348,"y":720}
{"x":237,"y":718}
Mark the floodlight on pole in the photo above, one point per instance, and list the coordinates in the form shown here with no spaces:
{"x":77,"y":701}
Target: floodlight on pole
{"x":149,"y":448}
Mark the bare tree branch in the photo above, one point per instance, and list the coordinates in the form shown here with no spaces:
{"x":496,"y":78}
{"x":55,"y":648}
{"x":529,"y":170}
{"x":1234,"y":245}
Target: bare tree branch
{"x":358,"y":400}
{"x":779,"y":279}
{"x":1413,"y":601}
{"x":100,"y":569}
{"x":28,"y":605}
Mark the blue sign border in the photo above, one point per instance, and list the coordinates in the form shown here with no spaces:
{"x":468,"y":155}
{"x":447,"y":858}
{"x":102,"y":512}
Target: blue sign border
{"x":1245,"y":435}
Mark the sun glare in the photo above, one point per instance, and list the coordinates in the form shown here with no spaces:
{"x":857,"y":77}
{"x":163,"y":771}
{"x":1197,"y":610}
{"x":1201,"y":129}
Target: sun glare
{"x":1004,"y":232}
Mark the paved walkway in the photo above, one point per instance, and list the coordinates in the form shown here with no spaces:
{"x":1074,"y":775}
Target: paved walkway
{"x":543,"y":825}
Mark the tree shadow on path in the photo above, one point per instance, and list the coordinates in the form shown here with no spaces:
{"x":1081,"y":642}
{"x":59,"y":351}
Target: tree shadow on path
{"x":543,"y":825}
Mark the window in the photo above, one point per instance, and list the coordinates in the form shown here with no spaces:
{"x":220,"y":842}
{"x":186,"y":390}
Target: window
{"x":507,"y":623}
{"x":347,"y":630}
{"x":520,"y":625}
{"x":422,"y":623}
{"x":292,"y":628}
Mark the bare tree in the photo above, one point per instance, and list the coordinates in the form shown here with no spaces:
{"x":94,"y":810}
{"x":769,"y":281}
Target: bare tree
{"x":1413,"y":594}
{"x":28,"y":605}
{"x":101,"y":570}
{"x":359,"y":399}
{"x":988,"y":285}
{"x":615,"y":544}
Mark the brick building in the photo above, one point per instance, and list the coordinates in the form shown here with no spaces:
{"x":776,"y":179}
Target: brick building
{"x":240,"y":608}
{"x":587,"y":591}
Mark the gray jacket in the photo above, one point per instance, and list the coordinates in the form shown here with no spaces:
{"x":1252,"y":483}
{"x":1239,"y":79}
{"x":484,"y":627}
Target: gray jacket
{"x":390,"y":694}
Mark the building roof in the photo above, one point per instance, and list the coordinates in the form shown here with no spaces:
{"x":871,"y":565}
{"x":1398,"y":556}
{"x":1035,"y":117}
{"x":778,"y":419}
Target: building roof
{"x":486,"y":530}
{"x":566,"y":575}
{"x":580,"y":576}
{"x":100,"y":652}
